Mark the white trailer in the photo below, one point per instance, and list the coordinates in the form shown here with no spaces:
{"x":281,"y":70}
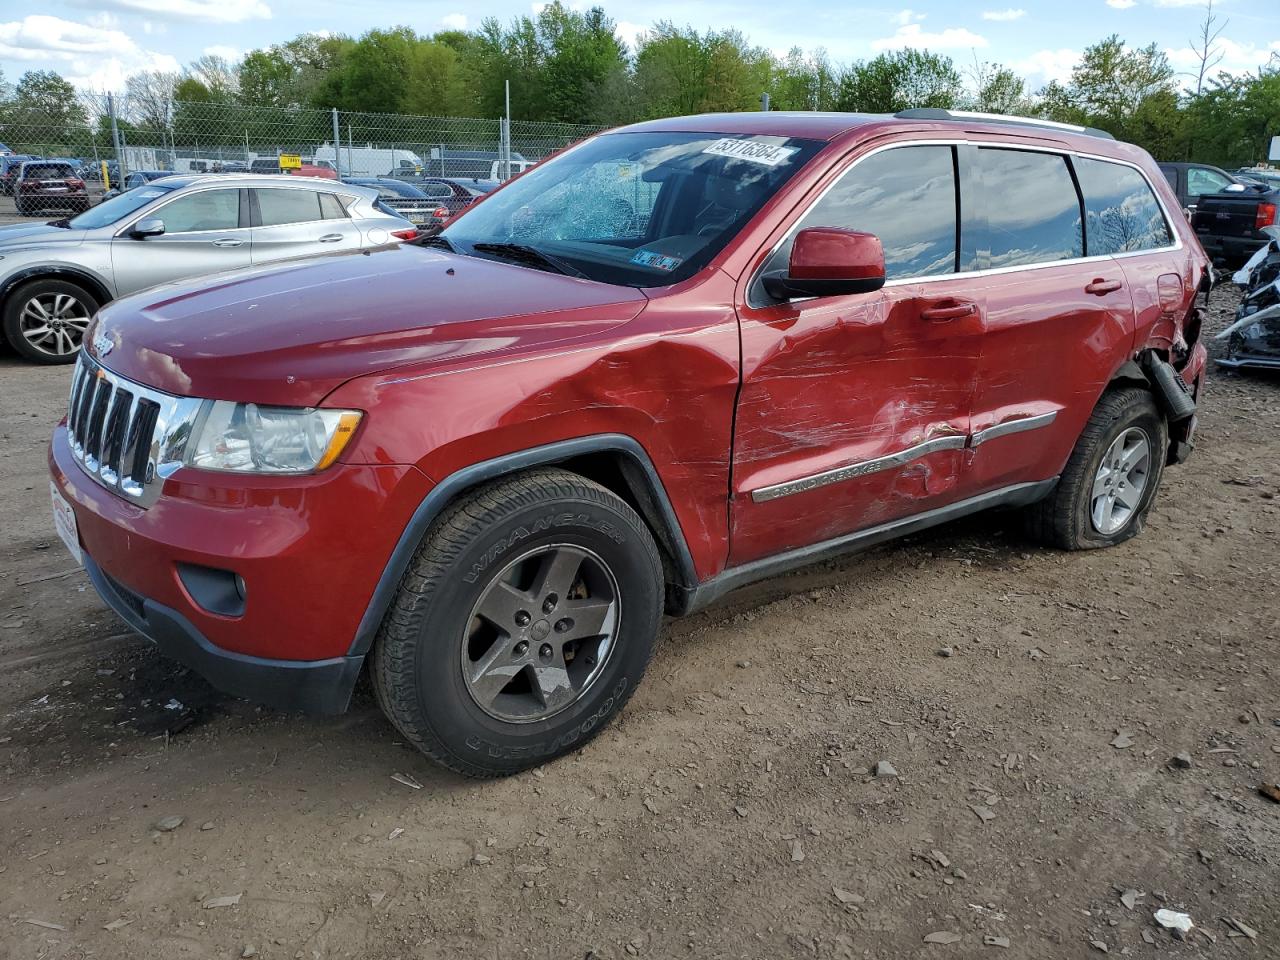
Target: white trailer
{"x":369,"y":161}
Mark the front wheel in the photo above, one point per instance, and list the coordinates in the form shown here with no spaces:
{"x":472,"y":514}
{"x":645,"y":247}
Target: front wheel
{"x":1110,"y":481}
{"x":45,"y":320}
{"x":525,"y":622}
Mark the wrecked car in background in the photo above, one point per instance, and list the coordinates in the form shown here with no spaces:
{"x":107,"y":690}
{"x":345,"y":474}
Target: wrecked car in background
{"x":1253,"y":341}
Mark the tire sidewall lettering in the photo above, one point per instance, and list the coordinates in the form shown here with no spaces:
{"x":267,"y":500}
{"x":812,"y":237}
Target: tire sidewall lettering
{"x":543,"y":524}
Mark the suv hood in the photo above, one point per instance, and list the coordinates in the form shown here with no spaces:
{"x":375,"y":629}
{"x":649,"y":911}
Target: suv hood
{"x":36,"y":234}
{"x":289,"y":333}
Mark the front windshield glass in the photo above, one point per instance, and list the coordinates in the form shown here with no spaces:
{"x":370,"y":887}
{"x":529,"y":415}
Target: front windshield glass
{"x":641,"y":209}
{"x":118,"y":207}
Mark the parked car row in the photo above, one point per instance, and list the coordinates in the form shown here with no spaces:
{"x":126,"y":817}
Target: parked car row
{"x":1229,"y":212}
{"x":430,"y":202}
{"x":55,"y":275}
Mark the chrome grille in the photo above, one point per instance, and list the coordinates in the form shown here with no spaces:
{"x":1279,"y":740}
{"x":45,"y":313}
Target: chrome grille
{"x":124,"y":435}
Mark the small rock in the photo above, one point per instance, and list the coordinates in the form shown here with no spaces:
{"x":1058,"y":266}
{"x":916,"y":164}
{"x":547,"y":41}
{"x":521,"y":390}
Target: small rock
{"x":169,"y":824}
{"x":1148,"y":936}
{"x":946,"y":652}
{"x":650,"y":805}
{"x":847,"y":896}
{"x":797,"y":852}
{"x":115,"y":925}
{"x":942,"y":936}
{"x":249,"y":951}
{"x":743,"y":664}
{"x":984,"y":814}
{"x":1122,"y":740}
{"x":1099,"y":946}
{"x":1130,"y":898}
{"x":212,"y":903}
{"x":996,"y":942}
{"x":207,"y":825}
{"x":740,"y":810}
{"x":1205,"y":856}
{"x":1180,"y":760}
{"x":885,"y":769}
{"x":1240,"y":925}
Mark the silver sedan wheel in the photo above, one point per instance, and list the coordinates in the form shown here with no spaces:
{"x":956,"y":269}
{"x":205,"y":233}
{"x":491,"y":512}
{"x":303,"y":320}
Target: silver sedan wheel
{"x":541,"y":633}
{"x":1121,"y":481}
{"x":54,"y":323}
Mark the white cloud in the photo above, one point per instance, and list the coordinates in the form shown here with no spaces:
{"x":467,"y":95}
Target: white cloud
{"x":92,"y":57}
{"x":230,"y":54}
{"x":104,"y":20}
{"x":1179,"y":3}
{"x":1236,"y":57}
{"x":912,"y":35}
{"x":149,"y":27}
{"x":210,"y":11}
{"x":454,"y":21}
{"x":1046,"y":65}
{"x":1122,"y":4}
{"x":904,"y":17}
{"x":1004,"y":16}
{"x":628,"y":32}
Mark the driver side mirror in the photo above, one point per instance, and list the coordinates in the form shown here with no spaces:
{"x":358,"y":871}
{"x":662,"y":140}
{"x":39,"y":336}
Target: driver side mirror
{"x":147,"y":227}
{"x":826,"y":262}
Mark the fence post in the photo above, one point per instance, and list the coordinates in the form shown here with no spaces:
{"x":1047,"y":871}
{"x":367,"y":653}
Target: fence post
{"x":337,"y":152}
{"x":115,"y":138}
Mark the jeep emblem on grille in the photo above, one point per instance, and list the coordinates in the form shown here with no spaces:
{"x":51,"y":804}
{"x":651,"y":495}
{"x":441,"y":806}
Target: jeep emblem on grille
{"x":102,"y":344}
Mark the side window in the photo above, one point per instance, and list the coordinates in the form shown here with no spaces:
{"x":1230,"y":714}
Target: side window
{"x":1201,"y":180}
{"x":331,"y":207}
{"x":437,"y":191}
{"x":1032,"y":208}
{"x":1121,"y":212}
{"x":906,"y":196}
{"x":207,"y":210}
{"x":282,"y":206}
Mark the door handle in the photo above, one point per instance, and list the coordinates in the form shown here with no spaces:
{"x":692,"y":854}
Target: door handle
{"x":227,"y":242}
{"x":331,"y":238}
{"x":1100,"y":286}
{"x":940,"y":314}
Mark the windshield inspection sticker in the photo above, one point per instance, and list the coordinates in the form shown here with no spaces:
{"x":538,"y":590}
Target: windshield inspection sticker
{"x":658,"y":261}
{"x":766,"y":154}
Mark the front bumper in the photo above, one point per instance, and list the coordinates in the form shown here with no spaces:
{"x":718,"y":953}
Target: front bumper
{"x":309,"y":551}
{"x":312,"y":686}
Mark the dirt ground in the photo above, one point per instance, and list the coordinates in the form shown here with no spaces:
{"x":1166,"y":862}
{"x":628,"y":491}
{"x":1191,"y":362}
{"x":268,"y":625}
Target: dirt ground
{"x":731,"y":812}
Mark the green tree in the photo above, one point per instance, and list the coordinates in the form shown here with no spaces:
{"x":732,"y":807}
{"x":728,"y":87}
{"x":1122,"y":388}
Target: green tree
{"x":997,"y":89}
{"x":678,"y":70}
{"x":900,"y":80}
{"x":44,"y":98}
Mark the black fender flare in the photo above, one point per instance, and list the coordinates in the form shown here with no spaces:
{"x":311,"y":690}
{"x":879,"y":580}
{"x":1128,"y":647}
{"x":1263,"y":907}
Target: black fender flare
{"x":56,"y":271}
{"x":468,"y":477}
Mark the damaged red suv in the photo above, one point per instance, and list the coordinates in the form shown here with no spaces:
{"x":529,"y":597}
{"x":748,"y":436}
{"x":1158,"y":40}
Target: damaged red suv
{"x":677,"y":358}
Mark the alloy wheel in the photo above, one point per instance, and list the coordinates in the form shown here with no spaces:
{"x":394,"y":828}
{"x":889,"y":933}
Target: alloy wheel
{"x":54,"y":323}
{"x":1121,"y":481}
{"x":541,"y":633}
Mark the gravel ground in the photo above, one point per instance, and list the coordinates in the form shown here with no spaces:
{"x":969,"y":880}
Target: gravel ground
{"x":733,"y":811}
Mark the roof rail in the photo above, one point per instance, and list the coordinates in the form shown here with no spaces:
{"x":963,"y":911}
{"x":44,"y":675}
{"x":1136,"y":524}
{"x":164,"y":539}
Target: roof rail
{"x":938,"y":113}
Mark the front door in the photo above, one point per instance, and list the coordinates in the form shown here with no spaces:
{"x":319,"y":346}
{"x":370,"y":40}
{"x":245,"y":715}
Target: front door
{"x":203,"y":234}
{"x":854,"y":410}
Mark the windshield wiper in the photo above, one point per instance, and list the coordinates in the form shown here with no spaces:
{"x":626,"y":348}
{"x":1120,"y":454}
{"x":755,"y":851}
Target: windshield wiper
{"x":529,"y":256}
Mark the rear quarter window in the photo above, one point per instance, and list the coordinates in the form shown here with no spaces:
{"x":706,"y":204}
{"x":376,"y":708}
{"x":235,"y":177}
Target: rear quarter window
{"x":1121,"y":212}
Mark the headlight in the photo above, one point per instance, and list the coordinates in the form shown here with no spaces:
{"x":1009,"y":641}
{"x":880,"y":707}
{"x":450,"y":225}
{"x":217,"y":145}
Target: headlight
{"x":248,"y":438}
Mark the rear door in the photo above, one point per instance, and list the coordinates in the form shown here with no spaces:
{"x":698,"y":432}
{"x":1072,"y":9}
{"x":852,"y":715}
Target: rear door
{"x":1055,"y":320}
{"x":1124,"y":220}
{"x":854,"y":410}
{"x":299,"y":222}
{"x":205,"y":231}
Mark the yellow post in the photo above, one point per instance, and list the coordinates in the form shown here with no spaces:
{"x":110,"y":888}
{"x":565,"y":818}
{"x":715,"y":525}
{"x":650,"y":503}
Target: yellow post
{"x":106,"y":177}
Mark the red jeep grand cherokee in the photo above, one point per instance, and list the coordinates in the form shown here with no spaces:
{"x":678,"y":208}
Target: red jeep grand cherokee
{"x":677,"y":358}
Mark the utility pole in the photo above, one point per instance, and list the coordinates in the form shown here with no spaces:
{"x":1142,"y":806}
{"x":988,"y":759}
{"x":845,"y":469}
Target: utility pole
{"x":505,"y":133}
{"x":337,"y":141}
{"x":764,"y":102}
{"x":115,"y":137}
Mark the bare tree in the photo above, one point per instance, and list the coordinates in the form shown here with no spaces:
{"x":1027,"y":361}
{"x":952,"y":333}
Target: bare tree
{"x":1208,"y":55}
{"x":150,"y":98}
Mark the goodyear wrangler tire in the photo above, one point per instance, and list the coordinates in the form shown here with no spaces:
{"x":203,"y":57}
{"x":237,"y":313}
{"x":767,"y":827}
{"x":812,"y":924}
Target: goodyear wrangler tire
{"x":527,"y":618}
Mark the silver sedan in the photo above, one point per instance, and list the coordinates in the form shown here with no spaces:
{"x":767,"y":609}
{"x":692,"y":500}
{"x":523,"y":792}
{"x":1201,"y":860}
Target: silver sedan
{"x":54,"y":275}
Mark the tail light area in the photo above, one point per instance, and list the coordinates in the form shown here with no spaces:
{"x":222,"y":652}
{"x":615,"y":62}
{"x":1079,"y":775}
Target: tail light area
{"x":408,"y":234}
{"x":75,"y":184}
{"x":1265,"y":215}
{"x":441,"y":213}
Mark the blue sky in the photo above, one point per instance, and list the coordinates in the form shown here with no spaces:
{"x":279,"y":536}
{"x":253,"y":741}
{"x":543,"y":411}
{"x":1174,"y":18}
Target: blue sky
{"x":97,"y":43}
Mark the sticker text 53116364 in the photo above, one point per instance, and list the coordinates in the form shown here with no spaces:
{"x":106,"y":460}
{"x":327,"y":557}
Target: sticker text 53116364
{"x":658,"y":261}
{"x":752,"y":151}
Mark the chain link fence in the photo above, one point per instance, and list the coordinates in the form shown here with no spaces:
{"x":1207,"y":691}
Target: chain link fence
{"x":184,"y":137}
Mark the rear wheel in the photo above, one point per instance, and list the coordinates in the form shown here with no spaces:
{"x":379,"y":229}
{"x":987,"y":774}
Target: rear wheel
{"x":1110,"y":481}
{"x":45,"y":320}
{"x":525,"y":622}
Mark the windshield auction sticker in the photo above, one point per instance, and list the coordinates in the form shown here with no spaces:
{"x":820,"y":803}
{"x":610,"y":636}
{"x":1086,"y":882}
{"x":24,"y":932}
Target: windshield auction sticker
{"x":658,"y":261}
{"x":752,"y":151}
